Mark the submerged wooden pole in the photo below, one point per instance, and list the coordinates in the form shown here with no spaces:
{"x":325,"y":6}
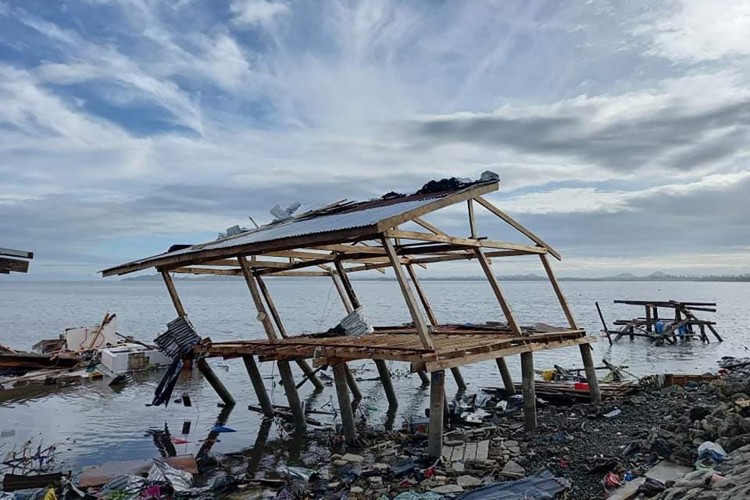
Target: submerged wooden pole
{"x":423,"y":377}
{"x":604,"y":323}
{"x":345,"y":406}
{"x":295,"y":405}
{"x":505,"y":375}
{"x":437,"y":404}
{"x":304,"y":366}
{"x":529,"y":391}
{"x":258,"y":385}
{"x":353,"y":386}
{"x":212,"y":379}
{"x":385,"y":378}
{"x":434,"y":322}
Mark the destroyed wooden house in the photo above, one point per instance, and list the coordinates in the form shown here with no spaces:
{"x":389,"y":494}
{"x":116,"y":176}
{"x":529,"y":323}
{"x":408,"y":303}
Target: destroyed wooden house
{"x":14,"y":261}
{"x":676,"y":321}
{"x":385,"y":233}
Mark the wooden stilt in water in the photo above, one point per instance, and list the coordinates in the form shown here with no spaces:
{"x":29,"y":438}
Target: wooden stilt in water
{"x":529,"y":391}
{"x":212,"y":379}
{"x":505,"y":374}
{"x":437,"y":404}
{"x":260,"y":388}
{"x":304,"y":366}
{"x":292,"y":396}
{"x":588,"y":364}
{"x":353,"y":386}
{"x":345,"y":406}
{"x":423,"y":376}
{"x":385,"y":378}
{"x":604,"y":323}
{"x":649,"y":327}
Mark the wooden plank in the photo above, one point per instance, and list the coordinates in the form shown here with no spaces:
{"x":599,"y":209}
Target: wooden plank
{"x":498,"y":291}
{"x":483,"y":450}
{"x":457,"y":453}
{"x":441,"y":364}
{"x":466,"y":242}
{"x":411,"y":302}
{"x":173,"y":294}
{"x":427,"y":225}
{"x":470,"y":453}
{"x":518,"y":226}
{"x":558,"y":291}
{"x":14,"y":265}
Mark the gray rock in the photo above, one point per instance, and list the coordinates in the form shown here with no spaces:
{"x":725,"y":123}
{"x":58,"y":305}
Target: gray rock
{"x":447,"y":489}
{"x":514,"y":468}
{"x":468,"y":481}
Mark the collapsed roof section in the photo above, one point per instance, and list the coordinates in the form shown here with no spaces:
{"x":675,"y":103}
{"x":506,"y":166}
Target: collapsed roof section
{"x":351,"y":232}
{"x":14,"y":261}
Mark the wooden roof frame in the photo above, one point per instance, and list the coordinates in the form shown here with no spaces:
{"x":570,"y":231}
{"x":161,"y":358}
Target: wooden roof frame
{"x":14,"y":261}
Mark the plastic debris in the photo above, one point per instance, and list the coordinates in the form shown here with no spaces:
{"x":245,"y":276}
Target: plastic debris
{"x":126,"y":487}
{"x":221,"y":428}
{"x":613,"y":413}
{"x":709,"y":454}
{"x":302,"y":473}
{"x":543,"y":484}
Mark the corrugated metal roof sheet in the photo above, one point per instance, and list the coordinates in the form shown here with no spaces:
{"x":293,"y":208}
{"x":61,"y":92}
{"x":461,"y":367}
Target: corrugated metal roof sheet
{"x":349,"y":219}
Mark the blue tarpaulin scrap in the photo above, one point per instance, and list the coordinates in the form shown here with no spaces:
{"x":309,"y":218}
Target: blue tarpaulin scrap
{"x":542,"y":485}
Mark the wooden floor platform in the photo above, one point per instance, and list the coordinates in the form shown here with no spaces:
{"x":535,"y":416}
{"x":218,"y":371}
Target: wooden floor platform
{"x":455,"y":345}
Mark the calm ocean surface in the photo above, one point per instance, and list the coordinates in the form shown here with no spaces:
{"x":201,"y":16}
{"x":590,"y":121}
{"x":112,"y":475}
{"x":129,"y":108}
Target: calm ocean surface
{"x":93,"y":423}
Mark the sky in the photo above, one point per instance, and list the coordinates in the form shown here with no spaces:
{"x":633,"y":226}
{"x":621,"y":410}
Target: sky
{"x":619,"y":129}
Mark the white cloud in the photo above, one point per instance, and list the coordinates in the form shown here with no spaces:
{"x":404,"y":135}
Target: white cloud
{"x":702,"y":30}
{"x":256,"y":12}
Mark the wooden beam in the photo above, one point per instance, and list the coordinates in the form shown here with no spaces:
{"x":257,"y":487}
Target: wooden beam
{"x":411,"y":303}
{"x":258,"y":386}
{"x":558,"y":291}
{"x":472,"y":224}
{"x":173,"y":294}
{"x":427,"y":225}
{"x":463,"y":242}
{"x":339,"y":248}
{"x":214,"y":381}
{"x":439,"y":203}
{"x":14,"y":265}
{"x":518,"y":226}
{"x":292,"y":396}
{"x":385,"y":379}
{"x":529,"y":390}
{"x":342,"y":294}
{"x":498,"y":291}
{"x":255,"y":293}
{"x":347,"y":284}
{"x":505,"y":375}
{"x":353,"y":386}
{"x":345,"y":405}
{"x":588,"y":364}
{"x":437,"y":403}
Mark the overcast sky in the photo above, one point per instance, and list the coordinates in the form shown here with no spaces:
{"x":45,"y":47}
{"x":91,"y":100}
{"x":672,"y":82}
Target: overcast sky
{"x":619,"y":129}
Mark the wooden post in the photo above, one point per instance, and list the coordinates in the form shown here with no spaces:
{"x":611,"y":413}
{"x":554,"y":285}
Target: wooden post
{"x":385,"y":378}
{"x":588,"y":364}
{"x":558,"y":292}
{"x":262,"y":315}
{"x":529,"y":391}
{"x":505,"y":374}
{"x":604,"y":323}
{"x":258,"y":385}
{"x":353,"y":386}
{"x":212,"y":379}
{"x":287,"y":380}
{"x":344,"y":299}
{"x":173,"y":294}
{"x":411,"y":302}
{"x":437,"y":403}
{"x":433,"y":321}
{"x":648,"y":319}
{"x":347,"y":284}
{"x":345,"y":406}
{"x":487,"y":268}
{"x":306,"y":368}
{"x":472,"y":225}
{"x":423,"y":377}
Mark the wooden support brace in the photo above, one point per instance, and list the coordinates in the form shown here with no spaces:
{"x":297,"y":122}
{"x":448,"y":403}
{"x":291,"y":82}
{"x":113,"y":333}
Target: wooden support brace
{"x":212,"y":379}
{"x":173,"y":294}
{"x":339,"y":288}
{"x":507,"y":311}
{"x":424,"y":377}
{"x":257,"y":299}
{"x":529,"y":391}
{"x":505,"y":375}
{"x":437,"y":403}
{"x":588,"y":364}
{"x":385,"y":378}
{"x":345,"y":406}
{"x":292,"y":396}
{"x":260,"y":388}
{"x":353,"y":386}
{"x":411,"y":303}
{"x":558,"y":292}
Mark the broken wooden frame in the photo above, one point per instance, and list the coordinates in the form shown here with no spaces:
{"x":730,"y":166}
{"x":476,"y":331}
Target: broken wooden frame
{"x":344,"y":238}
{"x":683,"y":315}
{"x":14,"y":261}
